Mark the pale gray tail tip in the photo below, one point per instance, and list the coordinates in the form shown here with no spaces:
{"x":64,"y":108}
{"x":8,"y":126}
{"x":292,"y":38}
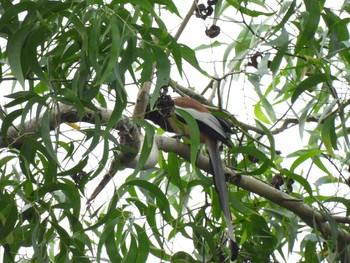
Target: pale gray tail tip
{"x":234,"y":250}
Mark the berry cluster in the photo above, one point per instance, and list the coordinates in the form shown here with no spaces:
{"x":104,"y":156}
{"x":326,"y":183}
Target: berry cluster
{"x":203,"y":12}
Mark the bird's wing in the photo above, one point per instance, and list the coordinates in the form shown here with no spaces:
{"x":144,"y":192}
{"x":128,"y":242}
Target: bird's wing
{"x":207,"y":123}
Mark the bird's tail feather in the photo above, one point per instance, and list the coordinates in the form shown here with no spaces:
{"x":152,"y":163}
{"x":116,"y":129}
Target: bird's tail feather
{"x":221,"y":189}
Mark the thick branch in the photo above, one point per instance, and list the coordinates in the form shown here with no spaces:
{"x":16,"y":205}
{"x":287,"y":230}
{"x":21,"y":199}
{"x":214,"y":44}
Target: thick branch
{"x":63,"y":113}
{"x":66,"y":113}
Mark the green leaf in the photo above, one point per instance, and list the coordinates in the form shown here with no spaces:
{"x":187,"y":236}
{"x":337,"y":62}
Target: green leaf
{"x":329,"y":136}
{"x":69,"y":97}
{"x":252,"y":151}
{"x":281,"y":40}
{"x":119,"y":106}
{"x":146,"y":5}
{"x":93,"y":42}
{"x":291,"y":5}
{"x":182,"y":257}
{"x":246,"y":11}
{"x":340,"y":27}
{"x":13,"y":11}
{"x":36,"y":233}
{"x":208,"y":237}
{"x":152,"y":221}
{"x":337,"y":199}
{"x":309,"y":154}
{"x":333,"y":225}
{"x":46,"y":135}
{"x":208,"y":46}
{"x":276,"y":62}
{"x":41,"y":88}
{"x":107,"y":238}
{"x":304,"y":115}
{"x":194,"y":132}
{"x":320,"y":164}
{"x":259,"y":114}
{"x":37,"y":37}
{"x":21,"y":97}
{"x":310,"y":25}
{"x":162,"y":201}
{"x":171,"y":6}
{"x":4,"y":160}
{"x":301,"y":180}
{"x":336,"y":25}
{"x":264,"y":102}
{"x":270,"y":136}
{"x":14,"y":52}
{"x":75,"y":169}
{"x":8,"y":122}
{"x":174,"y":171}
{"x":147,"y":64}
{"x":68,"y":188}
{"x":8,"y":215}
{"x":309,"y":248}
{"x":163,"y":71}
{"x":28,"y":109}
{"x":310,"y":82}
{"x":146,"y":146}
{"x":111,"y":214}
{"x":167,"y":41}
{"x":78,"y":26}
{"x":143,"y":244}
{"x":238,"y":205}
{"x":114,"y":52}
{"x":131,"y":255}
{"x":64,"y":236}
{"x":189,"y":56}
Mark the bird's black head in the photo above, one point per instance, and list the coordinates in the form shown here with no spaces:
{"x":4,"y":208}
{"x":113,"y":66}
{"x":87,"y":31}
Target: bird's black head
{"x":164,"y":107}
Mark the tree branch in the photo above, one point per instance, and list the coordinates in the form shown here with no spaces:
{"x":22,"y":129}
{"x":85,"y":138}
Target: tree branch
{"x":186,"y":20}
{"x":66,"y":113}
{"x":308,"y":214}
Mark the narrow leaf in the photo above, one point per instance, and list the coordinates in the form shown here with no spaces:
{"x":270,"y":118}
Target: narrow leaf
{"x":163,"y":71}
{"x":146,"y":146}
{"x":162,"y":200}
{"x":270,"y":138}
{"x":190,"y":56}
{"x":203,"y":232}
{"x":310,"y":25}
{"x":143,"y":244}
{"x":46,"y":136}
{"x":276,"y":62}
{"x":8,"y":215}
{"x":259,"y":114}
{"x":113,"y":53}
{"x":174,"y":172}
{"x":310,"y":82}
{"x":301,"y":180}
{"x":329,"y":136}
{"x":194,"y":132}
{"x":14,"y":51}
{"x":309,"y":154}
{"x":37,"y":37}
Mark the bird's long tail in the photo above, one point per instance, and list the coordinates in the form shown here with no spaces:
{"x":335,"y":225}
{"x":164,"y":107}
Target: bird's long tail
{"x":221,"y":189}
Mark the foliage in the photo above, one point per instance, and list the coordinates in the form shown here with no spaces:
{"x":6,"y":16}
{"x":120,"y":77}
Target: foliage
{"x":291,"y":58}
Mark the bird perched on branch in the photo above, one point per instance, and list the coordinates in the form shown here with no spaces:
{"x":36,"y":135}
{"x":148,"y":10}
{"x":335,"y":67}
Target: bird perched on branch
{"x":212,"y":131}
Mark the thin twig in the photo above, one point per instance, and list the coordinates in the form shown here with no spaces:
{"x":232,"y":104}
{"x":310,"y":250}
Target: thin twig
{"x":186,"y":20}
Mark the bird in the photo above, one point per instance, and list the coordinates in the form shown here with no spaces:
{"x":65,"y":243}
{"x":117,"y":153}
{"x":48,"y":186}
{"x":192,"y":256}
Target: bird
{"x":213,"y":130}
